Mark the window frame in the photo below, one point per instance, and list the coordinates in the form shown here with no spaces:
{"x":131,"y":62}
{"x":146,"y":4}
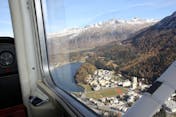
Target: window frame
{"x":73,"y":106}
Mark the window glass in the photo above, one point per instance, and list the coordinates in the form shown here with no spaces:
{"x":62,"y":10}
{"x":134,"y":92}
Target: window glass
{"x":5,"y":19}
{"x":108,"y":52}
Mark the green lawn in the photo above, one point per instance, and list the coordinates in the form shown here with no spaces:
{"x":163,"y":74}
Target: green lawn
{"x":109,"y":92}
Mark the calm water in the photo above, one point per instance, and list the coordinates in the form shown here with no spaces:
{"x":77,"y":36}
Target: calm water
{"x":64,"y":77}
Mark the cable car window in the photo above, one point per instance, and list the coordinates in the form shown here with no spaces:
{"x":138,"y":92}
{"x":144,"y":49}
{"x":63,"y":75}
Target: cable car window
{"x":108,"y":53}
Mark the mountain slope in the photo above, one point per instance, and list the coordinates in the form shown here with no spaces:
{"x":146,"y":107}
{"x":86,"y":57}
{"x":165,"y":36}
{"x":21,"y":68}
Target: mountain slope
{"x":103,"y":33}
{"x":159,"y":39}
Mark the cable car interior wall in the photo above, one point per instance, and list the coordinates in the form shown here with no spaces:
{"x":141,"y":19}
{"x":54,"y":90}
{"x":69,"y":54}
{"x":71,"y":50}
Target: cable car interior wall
{"x":25,"y":84}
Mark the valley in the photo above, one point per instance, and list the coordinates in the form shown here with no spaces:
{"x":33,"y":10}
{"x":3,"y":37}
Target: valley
{"x":119,"y":60}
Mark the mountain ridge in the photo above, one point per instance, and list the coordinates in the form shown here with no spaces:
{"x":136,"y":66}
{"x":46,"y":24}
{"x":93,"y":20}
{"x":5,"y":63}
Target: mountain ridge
{"x":98,"y":34}
{"x":111,"y":21}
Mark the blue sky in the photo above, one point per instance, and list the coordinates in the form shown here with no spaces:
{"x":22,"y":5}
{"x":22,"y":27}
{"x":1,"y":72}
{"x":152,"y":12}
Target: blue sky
{"x":5,"y":19}
{"x":61,"y":14}
{"x":76,"y":13}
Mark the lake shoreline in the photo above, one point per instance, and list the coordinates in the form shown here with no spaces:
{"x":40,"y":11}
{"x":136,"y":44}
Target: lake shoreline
{"x":63,"y":77}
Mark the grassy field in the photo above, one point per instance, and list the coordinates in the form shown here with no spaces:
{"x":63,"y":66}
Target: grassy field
{"x":109,"y":92}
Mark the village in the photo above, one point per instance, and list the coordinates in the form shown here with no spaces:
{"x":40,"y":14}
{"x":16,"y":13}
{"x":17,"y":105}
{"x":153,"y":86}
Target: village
{"x":113,"y":94}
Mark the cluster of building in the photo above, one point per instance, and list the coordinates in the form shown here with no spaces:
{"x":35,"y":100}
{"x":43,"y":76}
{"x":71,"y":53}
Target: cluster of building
{"x":107,"y":79}
{"x":119,"y":103}
{"x":110,"y":104}
{"x":102,"y":79}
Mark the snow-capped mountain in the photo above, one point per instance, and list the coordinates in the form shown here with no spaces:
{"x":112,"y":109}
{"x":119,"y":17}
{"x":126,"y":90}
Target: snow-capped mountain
{"x":98,"y":34}
{"x":163,"y":29}
{"x":110,"y":23}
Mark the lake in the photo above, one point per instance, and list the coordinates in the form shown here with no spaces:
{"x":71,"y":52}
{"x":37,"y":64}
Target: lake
{"x":64,"y":77}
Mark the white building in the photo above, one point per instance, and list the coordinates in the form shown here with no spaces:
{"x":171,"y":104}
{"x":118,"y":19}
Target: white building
{"x":135,"y":83}
{"x":126,"y":83}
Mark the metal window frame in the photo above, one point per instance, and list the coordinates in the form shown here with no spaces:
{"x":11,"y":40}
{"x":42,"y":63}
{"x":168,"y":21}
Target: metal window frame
{"x":73,"y":106}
